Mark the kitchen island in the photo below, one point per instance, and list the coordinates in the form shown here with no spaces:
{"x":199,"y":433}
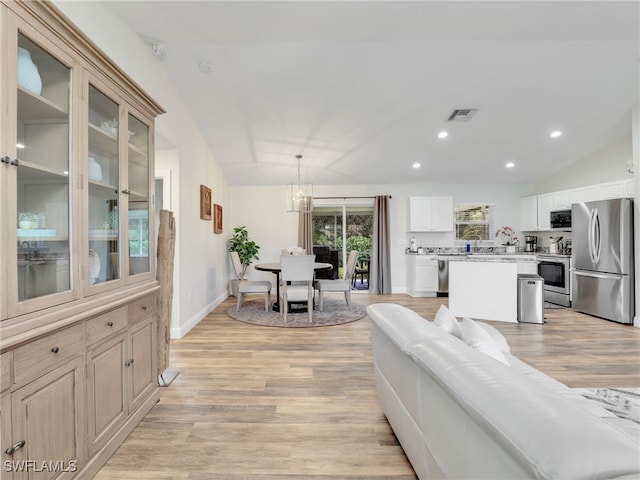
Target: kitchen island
{"x":485,"y":286}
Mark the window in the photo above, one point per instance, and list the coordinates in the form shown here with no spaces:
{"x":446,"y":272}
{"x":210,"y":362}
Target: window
{"x":139,"y":233}
{"x":473,"y":222}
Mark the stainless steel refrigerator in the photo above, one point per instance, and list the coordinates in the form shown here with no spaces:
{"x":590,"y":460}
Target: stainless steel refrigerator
{"x":602,"y":280}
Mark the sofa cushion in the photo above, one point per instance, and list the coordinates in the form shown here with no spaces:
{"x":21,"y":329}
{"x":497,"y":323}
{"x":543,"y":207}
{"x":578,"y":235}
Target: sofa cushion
{"x":476,"y":337}
{"x":496,"y":336}
{"x":448,"y":322}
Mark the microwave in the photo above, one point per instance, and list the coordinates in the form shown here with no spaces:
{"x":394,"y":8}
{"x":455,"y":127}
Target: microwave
{"x":560,"y":220}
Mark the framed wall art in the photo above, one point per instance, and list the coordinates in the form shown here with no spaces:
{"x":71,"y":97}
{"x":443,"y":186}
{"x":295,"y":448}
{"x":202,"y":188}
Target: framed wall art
{"x":205,"y":203}
{"x":217,"y":218}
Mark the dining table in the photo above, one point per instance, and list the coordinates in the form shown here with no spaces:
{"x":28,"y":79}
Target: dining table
{"x":276,"y":268}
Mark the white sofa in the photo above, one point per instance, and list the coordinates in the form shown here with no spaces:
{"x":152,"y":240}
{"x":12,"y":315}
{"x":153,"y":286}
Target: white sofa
{"x":461,"y":414}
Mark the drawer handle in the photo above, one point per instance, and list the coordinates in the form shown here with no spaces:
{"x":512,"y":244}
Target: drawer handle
{"x":55,"y":349}
{"x":16,"y":446}
{"x":129,"y":363}
{"x":109,"y":324}
{"x":144,"y":307}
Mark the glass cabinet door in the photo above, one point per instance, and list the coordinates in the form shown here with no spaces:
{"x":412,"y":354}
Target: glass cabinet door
{"x":42,"y":173}
{"x":103,"y":177}
{"x":138,"y":196}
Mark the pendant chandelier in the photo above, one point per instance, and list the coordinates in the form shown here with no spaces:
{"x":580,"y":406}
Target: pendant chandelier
{"x":299,"y":195}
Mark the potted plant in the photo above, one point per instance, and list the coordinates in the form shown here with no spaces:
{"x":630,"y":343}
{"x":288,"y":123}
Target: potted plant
{"x":246,"y":249}
{"x":508,"y":237}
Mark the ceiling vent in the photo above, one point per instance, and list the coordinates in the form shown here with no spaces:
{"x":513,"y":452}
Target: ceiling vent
{"x":462,"y":115}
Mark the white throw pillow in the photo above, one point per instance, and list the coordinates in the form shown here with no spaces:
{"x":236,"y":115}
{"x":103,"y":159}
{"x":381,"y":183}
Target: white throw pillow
{"x":496,"y":336}
{"x":448,"y":322}
{"x":476,"y":337}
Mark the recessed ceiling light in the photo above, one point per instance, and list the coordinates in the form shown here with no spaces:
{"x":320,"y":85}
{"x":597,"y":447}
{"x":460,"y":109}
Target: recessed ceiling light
{"x":555,"y":134}
{"x":443,"y":134}
{"x":510,"y":165}
{"x":205,"y":66}
{"x":416,"y":165}
{"x":19,"y":145}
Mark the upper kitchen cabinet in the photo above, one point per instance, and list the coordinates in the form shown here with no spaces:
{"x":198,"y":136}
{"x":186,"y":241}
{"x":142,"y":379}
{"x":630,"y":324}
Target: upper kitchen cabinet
{"x":430,"y":214}
{"x":545,"y":204}
{"x":529,"y":213}
{"x":76,"y":178}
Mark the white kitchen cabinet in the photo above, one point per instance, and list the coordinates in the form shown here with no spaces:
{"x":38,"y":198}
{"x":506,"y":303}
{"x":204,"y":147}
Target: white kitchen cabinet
{"x":562,"y":200}
{"x":529,"y":213}
{"x":545,"y":203}
{"x":583,"y":194}
{"x":422,"y":275}
{"x":430,"y":214}
{"x":535,"y":209}
{"x":610,"y":190}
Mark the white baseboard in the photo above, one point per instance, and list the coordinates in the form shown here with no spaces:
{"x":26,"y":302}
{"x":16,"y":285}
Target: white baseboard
{"x":183,"y":329}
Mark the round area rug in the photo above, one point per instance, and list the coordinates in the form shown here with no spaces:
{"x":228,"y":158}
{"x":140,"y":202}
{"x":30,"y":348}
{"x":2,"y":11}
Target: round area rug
{"x":336,"y":312}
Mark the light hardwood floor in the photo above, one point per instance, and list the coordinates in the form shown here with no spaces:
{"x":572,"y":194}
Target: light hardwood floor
{"x":264,"y":403}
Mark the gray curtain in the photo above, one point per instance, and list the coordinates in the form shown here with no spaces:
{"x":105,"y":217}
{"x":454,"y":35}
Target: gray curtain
{"x":380,"y":267}
{"x":305,"y":238}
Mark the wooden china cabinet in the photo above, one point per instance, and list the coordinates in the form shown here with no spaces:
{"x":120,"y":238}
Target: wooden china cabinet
{"x":77,"y":260}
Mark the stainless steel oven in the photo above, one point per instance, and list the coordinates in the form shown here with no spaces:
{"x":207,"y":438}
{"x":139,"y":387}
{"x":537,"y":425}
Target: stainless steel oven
{"x":556,"y":273}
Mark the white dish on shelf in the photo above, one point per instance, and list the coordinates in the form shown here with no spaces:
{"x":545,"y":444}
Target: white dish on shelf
{"x":94,"y":266}
{"x":113,"y":131}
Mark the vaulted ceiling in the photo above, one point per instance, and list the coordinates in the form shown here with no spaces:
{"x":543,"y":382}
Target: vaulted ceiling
{"x":362,"y":88}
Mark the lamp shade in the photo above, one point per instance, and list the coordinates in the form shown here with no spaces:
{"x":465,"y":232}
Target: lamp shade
{"x":299,"y":195}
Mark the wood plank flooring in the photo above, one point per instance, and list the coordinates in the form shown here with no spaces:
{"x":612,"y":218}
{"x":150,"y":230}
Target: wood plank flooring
{"x":264,"y":403}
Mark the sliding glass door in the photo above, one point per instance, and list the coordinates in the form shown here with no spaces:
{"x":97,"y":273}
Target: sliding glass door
{"x":344,"y":228}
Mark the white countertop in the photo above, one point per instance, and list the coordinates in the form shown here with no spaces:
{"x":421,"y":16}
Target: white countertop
{"x":499,"y":258}
{"x":481,"y":257}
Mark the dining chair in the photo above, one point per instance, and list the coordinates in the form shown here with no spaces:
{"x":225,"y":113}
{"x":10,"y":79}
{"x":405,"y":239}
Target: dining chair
{"x":246,"y":286}
{"x":362,"y":269}
{"x":297,"y":282}
{"x":340,"y":285}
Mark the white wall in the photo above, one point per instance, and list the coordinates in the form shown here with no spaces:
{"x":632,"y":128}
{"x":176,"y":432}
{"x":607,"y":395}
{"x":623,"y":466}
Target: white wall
{"x":201,"y":266}
{"x":606,"y":165}
{"x":262,"y":211}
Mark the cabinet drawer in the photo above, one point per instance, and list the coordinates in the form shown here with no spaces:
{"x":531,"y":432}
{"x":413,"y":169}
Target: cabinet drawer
{"x":6,"y":367}
{"x":42,"y":355}
{"x":104,"y":325}
{"x":141,"y":308}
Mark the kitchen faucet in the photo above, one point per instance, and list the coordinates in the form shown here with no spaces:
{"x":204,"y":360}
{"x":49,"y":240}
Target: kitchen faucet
{"x":475,"y":248}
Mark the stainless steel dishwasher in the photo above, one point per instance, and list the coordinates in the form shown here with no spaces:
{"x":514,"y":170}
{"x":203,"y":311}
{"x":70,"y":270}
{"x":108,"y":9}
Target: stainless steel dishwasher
{"x":443,"y":276}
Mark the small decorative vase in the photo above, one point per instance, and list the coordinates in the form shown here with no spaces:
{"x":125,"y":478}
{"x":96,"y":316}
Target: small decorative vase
{"x":511,"y":249}
{"x":28,"y":76}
